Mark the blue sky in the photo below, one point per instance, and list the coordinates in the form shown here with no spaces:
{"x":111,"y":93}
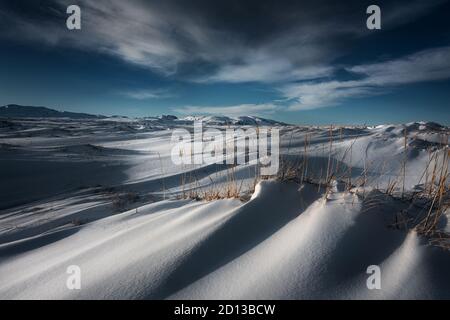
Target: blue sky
{"x":308,"y":62}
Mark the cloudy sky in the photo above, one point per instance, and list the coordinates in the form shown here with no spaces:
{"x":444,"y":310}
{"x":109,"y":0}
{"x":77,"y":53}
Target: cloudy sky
{"x":295,"y":61}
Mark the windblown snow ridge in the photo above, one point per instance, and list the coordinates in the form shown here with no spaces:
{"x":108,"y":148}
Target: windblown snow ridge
{"x":285,"y":243}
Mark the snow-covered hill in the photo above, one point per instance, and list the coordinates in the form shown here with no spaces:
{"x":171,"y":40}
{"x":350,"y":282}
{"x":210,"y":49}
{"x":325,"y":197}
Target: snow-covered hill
{"x":17,"y":111}
{"x":240,"y":121}
{"x":106,"y":196}
{"x":215,"y":120}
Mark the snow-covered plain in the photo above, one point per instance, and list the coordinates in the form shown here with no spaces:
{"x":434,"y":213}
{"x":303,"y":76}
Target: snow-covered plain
{"x":104,"y":194}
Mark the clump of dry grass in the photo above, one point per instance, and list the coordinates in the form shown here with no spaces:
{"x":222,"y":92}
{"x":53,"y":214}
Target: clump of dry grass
{"x":78,"y":222}
{"x":231,"y":189}
{"x":439,"y":195}
{"x":121,"y":201}
{"x":435,"y":195}
{"x":433,"y":199}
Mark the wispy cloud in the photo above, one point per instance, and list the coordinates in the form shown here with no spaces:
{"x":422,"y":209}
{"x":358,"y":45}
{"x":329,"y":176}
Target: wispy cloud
{"x":236,"y":110}
{"x":284,"y":42}
{"x":147,"y":94}
{"x":292,"y":46}
{"x":427,"y":65}
{"x":267,"y":71}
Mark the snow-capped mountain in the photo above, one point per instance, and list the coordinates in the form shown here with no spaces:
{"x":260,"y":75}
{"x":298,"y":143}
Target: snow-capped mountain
{"x":18,"y":111}
{"x":216,"y":120}
{"x":242,"y":120}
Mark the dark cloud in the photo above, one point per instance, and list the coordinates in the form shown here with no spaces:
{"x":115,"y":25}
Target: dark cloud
{"x":229,"y":34}
{"x":281,"y":42}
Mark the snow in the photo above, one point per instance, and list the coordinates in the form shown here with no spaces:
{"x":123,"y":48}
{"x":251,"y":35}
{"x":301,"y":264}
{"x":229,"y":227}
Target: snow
{"x":323,"y":253}
{"x":104,"y":194}
{"x":125,"y":256}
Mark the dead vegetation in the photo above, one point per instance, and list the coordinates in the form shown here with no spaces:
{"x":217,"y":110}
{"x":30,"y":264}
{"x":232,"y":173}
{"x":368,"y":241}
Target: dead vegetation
{"x":231,"y":189}
{"x":433,"y":201}
{"x":123,"y":200}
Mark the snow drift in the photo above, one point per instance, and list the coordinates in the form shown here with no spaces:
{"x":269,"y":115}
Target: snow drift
{"x":104,"y":195}
{"x":285,"y":243}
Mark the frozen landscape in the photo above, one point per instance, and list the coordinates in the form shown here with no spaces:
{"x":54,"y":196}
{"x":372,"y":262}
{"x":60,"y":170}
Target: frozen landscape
{"x":103,"y":193}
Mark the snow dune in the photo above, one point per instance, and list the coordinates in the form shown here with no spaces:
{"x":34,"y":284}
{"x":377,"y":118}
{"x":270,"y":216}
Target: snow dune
{"x":324,"y":253}
{"x":104,"y":195}
{"x":124,"y":256}
{"x":285,"y":243}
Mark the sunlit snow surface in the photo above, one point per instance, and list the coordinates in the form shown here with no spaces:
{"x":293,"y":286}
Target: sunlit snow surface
{"x":105,"y":195}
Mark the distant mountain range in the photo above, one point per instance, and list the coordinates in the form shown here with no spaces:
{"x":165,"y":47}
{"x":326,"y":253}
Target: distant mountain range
{"x":17,"y":111}
{"x":239,"y":121}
